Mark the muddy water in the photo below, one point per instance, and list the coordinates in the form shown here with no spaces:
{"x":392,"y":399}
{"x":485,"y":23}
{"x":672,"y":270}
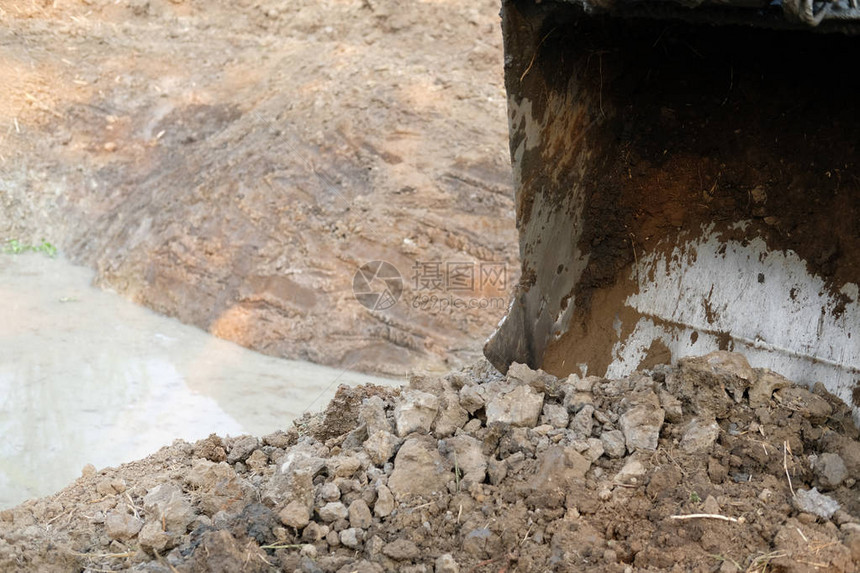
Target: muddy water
{"x":88,"y":377}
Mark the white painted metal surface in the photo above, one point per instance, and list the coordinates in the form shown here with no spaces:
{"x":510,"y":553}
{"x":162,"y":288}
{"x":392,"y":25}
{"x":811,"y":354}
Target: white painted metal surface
{"x":779,"y":315}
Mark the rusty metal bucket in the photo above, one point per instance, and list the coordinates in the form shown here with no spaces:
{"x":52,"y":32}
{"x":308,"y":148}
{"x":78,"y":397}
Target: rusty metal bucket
{"x":686,"y":180}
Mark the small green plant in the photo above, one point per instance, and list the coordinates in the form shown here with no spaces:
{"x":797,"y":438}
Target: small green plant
{"x":694,"y":497}
{"x":16,"y":247}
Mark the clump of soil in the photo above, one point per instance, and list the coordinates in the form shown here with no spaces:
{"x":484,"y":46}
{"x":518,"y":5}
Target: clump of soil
{"x":707,"y":466}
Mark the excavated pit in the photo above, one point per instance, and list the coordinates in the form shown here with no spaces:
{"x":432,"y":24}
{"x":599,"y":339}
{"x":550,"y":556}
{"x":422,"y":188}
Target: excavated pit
{"x":682,"y":188}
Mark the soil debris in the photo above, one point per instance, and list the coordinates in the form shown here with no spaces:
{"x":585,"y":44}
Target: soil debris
{"x":733,"y":480}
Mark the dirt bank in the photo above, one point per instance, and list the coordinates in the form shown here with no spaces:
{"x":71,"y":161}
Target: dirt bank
{"x":708,"y":466}
{"x":233,"y":164}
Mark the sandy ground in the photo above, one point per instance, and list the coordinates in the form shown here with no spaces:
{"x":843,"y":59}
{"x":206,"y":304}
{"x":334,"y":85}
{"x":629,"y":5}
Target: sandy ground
{"x":233,"y":164}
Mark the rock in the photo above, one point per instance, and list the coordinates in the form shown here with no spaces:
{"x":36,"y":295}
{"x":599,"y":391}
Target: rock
{"x":603,"y":418}
{"x":258,"y":461}
{"x":166,"y":504}
{"x":717,"y":471}
{"x":426,"y":383}
{"x":466,"y":454}
{"x":220,"y":519}
{"x":384,"y":502}
{"x":515,"y":462}
{"x":582,"y":422}
{"x":613,"y":443}
{"x":217,"y":486}
{"x":359,"y":515}
{"x":373,"y":547}
{"x":347,"y":486}
{"x":372,"y":415}
{"x":847,"y":449}
{"x":220,"y":551}
{"x":830,"y":470}
{"x":105,"y":487}
{"x":241,"y":448}
{"x":308,"y":565}
{"x":516,"y":440}
{"x":472,"y":398}
{"x":294,"y":478}
{"x":852,"y":542}
{"x":380,"y":446}
{"x":522,"y":374}
{"x":763,"y":387}
{"x":711,"y":505}
{"x":708,"y":381}
{"x":472,"y":426}
{"x":559,"y":468}
{"x":121,"y":525}
{"x":351,"y":537}
{"x":333,"y":511}
{"x":801,"y":400}
{"x":295,"y":515}
{"x":497,"y":471}
{"x":314,"y":532}
{"x":277,"y":439}
{"x":258,"y":521}
{"x":445,"y":563}
{"x":329,"y":491}
{"x":641,"y":424}
{"x":343,"y":466}
{"x":154,"y":538}
{"x":811,"y":501}
{"x":632,"y":472}
{"x":555,"y":415}
{"x":415,"y":412}
{"x":459,"y":379}
{"x":617,"y":387}
{"x":520,"y":407}
{"x":362,"y":566}
{"x":574,"y":401}
{"x":211,"y":448}
{"x":452,"y":416}
{"x":582,"y":384}
{"x":401,"y":550}
{"x":168,"y":513}
{"x":672,"y":406}
{"x":700,"y":435}
{"x":418,"y":469}
{"x":595,"y":449}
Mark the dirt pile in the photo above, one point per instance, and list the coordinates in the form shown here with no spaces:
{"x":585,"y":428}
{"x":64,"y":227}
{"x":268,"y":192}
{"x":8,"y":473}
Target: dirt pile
{"x":707,"y":466}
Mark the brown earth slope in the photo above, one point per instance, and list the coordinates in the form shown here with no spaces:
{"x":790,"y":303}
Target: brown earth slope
{"x":233,"y":163}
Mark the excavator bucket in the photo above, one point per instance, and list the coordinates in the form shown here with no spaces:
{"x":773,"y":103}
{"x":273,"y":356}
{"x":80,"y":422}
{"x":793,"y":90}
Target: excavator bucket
{"x":687,"y":179}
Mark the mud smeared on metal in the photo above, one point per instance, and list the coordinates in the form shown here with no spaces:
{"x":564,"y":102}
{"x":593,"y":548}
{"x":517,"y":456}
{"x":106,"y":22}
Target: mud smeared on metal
{"x":681,"y":189}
